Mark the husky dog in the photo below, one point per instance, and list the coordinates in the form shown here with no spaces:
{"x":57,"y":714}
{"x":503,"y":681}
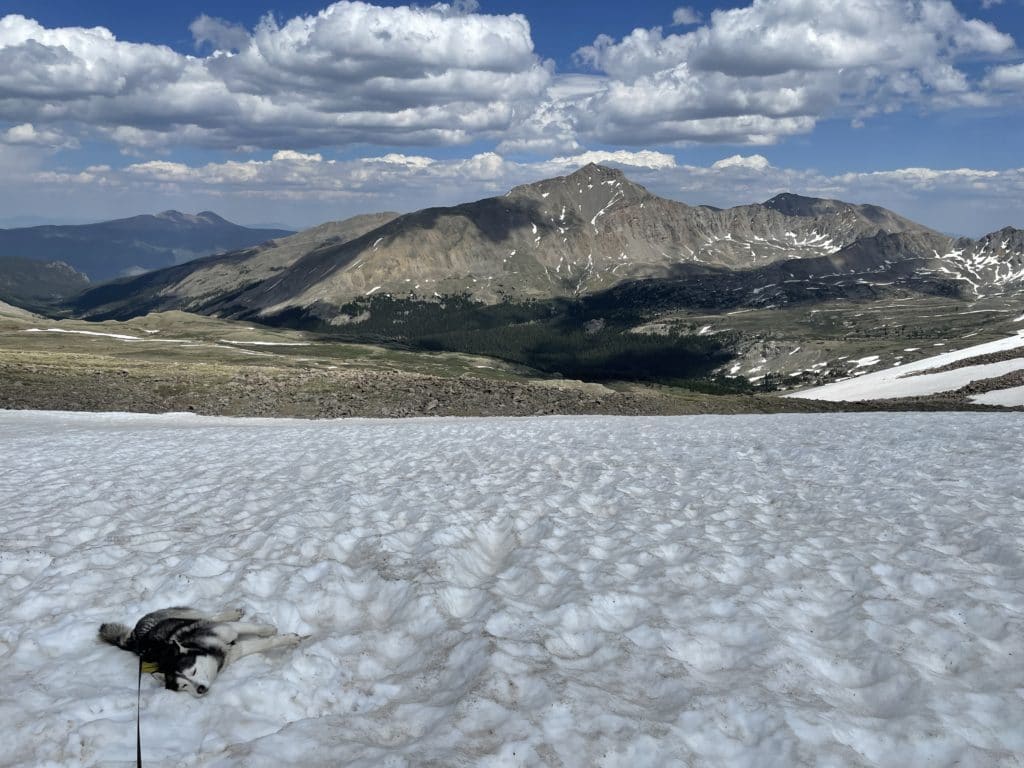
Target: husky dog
{"x":189,"y":647}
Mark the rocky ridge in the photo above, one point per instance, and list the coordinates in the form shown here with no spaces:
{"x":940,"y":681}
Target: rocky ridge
{"x":568,"y":236}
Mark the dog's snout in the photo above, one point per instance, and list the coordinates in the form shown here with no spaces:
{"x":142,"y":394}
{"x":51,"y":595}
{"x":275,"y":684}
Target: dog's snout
{"x":201,"y":689}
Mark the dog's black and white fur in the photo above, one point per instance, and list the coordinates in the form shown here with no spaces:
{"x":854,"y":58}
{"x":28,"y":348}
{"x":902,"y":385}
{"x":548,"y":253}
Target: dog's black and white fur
{"x":190,"y":647}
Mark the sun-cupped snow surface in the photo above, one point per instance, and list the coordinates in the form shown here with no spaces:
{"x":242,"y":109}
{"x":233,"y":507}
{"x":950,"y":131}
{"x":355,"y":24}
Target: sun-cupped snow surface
{"x":913,"y":379}
{"x":838,"y":590}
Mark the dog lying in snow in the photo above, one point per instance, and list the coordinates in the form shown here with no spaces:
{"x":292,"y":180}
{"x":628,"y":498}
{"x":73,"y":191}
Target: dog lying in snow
{"x":189,"y":647}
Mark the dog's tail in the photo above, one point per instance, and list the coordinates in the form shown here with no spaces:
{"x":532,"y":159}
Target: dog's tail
{"x":116,"y":634}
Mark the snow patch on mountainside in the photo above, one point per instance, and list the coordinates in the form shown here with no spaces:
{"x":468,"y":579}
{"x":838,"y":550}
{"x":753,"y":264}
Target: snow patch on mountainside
{"x":1011,"y":397}
{"x":899,"y":381}
{"x":990,"y":265}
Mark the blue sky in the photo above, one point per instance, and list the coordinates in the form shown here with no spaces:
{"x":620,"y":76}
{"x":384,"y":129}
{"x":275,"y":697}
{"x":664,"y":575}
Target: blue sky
{"x":319,"y":111}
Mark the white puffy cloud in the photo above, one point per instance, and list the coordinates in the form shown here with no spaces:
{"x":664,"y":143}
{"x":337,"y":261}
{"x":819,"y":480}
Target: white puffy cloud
{"x":921,"y":178}
{"x":774,"y":68}
{"x":27,"y":134}
{"x":750,"y":162}
{"x":40,"y":67}
{"x":685,"y":16}
{"x":954,"y":200}
{"x":361,"y":56}
{"x":289,"y":173}
{"x":421,"y":76}
{"x":737,"y":179}
{"x":446,"y":74}
{"x":1009,"y":77}
{"x":290,"y":155}
{"x":222,"y":35}
{"x":642,"y":159}
{"x":352,"y":73}
{"x":550,"y":127}
{"x":774,"y":36}
{"x":308,"y":189}
{"x":395,"y":158}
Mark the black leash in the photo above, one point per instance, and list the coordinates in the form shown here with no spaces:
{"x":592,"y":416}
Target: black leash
{"x":138,"y":720}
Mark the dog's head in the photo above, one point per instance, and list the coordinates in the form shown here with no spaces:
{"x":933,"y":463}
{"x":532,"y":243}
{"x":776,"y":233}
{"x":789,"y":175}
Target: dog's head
{"x":189,"y":672}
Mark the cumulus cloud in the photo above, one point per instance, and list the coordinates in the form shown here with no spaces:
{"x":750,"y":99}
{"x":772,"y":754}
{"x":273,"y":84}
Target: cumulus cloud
{"x":356,"y":72}
{"x":42,"y":67}
{"x":774,"y":68}
{"x":395,"y":158}
{"x":550,"y":127}
{"x":222,"y":35}
{"x":966,"y":200}
{"x":771,"y":37}
{"x":27,"y":134}
{"x":409,"y":78}
{"x":641,"y":159}
{"x":445,"y":74}
{"x":685,"y":16}
{"x":1007,"y":78}
{"x":288,"y":174}
{"x":731,"y":180}
{"x":389,"y":178}
{"x":751,"y":162}
{"x":459,"y":7}
{"x":290,"y":155}
{"x":352,"y":73}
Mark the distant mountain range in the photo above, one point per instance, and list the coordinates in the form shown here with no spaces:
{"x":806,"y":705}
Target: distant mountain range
{"x":590,"y":276}
{"x":124,"y":246}
{"x":572,"y":236}
{"x":33,"y":284}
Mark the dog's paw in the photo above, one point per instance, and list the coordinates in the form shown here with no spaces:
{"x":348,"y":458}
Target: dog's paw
{"x":233,"y":614}
{"x":291,"y":640}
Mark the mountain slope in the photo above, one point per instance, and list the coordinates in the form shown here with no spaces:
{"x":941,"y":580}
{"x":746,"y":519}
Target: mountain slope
{"x":561,"y":237}
{"x":990,"y":264}
{"x":216,"y":279}
{"x":29,"y":283}
{"x":568,"y":236}
{"x":112,"y":248}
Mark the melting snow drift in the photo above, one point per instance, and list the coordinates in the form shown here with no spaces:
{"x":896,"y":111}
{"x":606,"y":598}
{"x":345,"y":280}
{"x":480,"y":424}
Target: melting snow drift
{"x":716,"y":591}
{"x":914,"y":379}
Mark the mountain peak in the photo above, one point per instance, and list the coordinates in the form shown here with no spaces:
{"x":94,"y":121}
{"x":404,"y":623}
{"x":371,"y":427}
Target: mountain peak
{"x":107,"y":249}
{"x":203,"y":217}
{"x":592,"y":173}
{"x":591,"y":169}
{"x":588,"y":178}
{"x":790,"y":204}
{"x":572,"y":235}
{"x":1007,"y":237}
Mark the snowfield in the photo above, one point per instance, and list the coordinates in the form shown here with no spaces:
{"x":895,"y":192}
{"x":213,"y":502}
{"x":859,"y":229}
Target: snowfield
{"x":914,"y":379}
{"x":826,"y":590}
